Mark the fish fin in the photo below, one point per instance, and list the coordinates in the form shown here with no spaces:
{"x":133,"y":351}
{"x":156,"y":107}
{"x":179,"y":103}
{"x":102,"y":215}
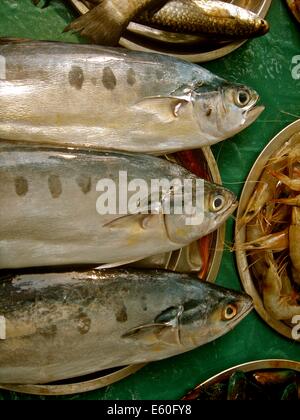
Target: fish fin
{"x":154,"y":334}
{"x":165,"y":329}
{"x":100,"y":25}
{"x":116,"y":264}
{"x":123,"y":221}
{"x":166,"y":108}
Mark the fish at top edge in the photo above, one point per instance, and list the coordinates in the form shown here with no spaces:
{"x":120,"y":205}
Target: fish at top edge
{"x":106,"y":22}
{"x":114,"y":99}
{"x":212,"y":18}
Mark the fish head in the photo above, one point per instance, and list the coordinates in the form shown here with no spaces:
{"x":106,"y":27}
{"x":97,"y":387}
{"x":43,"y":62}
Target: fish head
{"x":204,"y":208}
{"x":225,"y":109}
{"x":211,"y":313}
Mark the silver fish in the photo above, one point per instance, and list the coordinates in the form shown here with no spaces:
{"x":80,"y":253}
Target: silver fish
{"x":62,"y":325}
{"x":50,"y":215}
{"x":82,"y":95}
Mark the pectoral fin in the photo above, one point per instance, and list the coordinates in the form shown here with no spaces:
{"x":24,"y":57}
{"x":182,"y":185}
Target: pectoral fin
{"x":154,"y":334}
{"x":166,"y":331}
{"x":123,"y":222}
{"x":165,"y":108}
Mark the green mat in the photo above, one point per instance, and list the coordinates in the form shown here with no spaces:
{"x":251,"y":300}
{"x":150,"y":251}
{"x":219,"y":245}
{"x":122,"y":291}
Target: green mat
{"x":266,"y":64}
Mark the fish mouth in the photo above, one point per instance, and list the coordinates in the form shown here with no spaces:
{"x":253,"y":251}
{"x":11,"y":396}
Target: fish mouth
{"x":248,"y":308}
{"x":231,"y":209}
{"x":252,"y":114}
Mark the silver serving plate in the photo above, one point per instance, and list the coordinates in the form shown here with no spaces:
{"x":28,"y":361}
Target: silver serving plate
{"x":189,"y":47}
{"x":240,"y":234}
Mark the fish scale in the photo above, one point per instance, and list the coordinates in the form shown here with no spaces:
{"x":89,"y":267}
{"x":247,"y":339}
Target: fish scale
{"x":114,"y":99}
{"x":61,"y":325}
{"x":49,"y":213}
{"x":212,"y":18}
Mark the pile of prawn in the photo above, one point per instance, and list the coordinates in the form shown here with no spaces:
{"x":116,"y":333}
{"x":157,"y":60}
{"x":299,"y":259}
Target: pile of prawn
{"x":272,"y":221}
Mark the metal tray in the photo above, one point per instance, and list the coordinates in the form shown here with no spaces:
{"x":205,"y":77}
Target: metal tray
{"x":246,"y":367}
{"x":240,"y":234}
{"x":190,"y":48}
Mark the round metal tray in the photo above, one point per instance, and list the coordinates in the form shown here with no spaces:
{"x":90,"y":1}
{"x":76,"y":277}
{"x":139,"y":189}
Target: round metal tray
{"x":175,"y":261}
{"x":240,"y":234}
{"x":246,"y":367}
{"x":141,"y":38}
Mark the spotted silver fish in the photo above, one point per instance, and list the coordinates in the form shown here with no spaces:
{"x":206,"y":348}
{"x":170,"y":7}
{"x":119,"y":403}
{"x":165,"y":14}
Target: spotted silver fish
{"x":63,"y":325}
{"x":57,"y":207}
{"x":105,"y":98}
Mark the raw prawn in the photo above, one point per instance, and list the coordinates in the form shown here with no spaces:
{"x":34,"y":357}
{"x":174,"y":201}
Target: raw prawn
{"x":277,"y":304}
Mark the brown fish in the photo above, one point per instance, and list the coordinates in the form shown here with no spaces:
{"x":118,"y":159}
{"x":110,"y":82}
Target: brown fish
{"x":212,"y":18}
{"x":108,"y":20}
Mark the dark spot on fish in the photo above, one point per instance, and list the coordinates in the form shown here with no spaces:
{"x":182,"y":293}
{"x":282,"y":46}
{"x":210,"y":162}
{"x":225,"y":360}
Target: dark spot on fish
{"x":48,"y":332}
{"x":83,"y":323}
{"x":159,"y":74}
{"x":76,"y":77}
{"x":144,"y":303}
{"x":55,"y":186}
{"x":85,"y":183}
{"x":131,"y":77}
{"x":21,"y":186}
{"x":208,"y":112}
{"x":109,"y":79}
{"x":121,"y":314}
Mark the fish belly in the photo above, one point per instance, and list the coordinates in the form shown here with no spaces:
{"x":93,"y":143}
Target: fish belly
{"x":49,"y":214}
{"x":98,"y":98}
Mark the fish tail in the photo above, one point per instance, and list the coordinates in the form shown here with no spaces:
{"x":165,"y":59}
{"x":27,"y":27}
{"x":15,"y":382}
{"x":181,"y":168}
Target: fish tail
{"x":100,"y":25}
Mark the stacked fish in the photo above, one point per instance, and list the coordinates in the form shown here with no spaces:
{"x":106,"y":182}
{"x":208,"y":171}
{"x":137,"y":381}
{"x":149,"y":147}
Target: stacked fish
{"x":175,"y":21}
{"x":72,"y":116}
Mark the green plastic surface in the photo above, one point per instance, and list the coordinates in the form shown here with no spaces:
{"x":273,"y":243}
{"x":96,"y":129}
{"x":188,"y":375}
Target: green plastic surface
{"x":265,"y":64}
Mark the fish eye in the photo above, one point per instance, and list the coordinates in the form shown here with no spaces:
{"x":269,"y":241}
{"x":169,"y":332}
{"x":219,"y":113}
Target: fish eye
{"x":229,"y":312}
{"x":242,"y":98}
{"x":218,"y":202}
